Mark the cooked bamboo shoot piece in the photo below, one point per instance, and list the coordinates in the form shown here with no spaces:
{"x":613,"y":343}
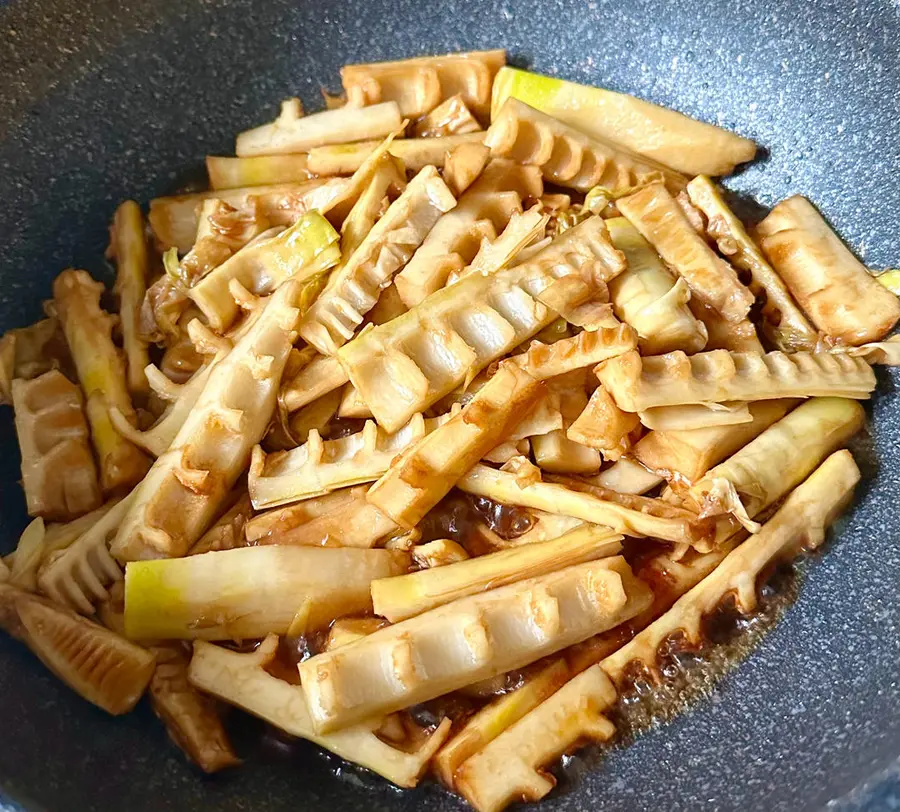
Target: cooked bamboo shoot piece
{"x":779,"y":459}
{"x":656,"y":214}
{"x":101,"y":373}
{"x":405,"y":596}
{"x":301,"y":252}
{"x":419,"y":85}
{"x":685,"y":456}
{"x":881,"y":352}
{"x":626,"y":476}
{"x":31,"y":351}
{"x":567,"y":156}
{"x":438,"y":553}
{"x":586,"y":349}
{"x":725,"y":335}
{"x":695,"y":416}
{"x":835,"y":289}
{"x":468,"y":640}
{"x":320,"y":466}
{"x":261,"y":170}
{"x":604,"y":426}
{"x":664,"y":135}
{"x":509,"y":768}
{"x":58,"y":472}
{"x":553,"y":450}
{"x":502,"y":486}
{"x":783,"y":323}
{"x":189,"y":716}
{"x":250,"y":591}
{"x":649,"y":298}
{"x":416,"y":153}
{"x":450,"y":117}
{"x":182,"y":494}
{"x":129,"y":247}
{"x":428,"y":467}
{"x":489,"y":722}
{"x":638,"y":384}
{"x":352,"y":405}
{"x":354,"y":288}
{"x":102,"y":667}
{"x":322,"y":375}
{"x":800,"y":523}
{"x":293,"y":132}
{"x":242,"y":680}
{"x":400,"y":368}
{"x":228,"y":531}
{"x":453,"y":242}
{"x":350,"y":629}
{"x":463,"y":164}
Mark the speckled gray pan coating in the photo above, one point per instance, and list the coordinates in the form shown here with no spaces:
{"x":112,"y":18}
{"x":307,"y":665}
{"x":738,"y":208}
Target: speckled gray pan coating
{"x":105,"y":100}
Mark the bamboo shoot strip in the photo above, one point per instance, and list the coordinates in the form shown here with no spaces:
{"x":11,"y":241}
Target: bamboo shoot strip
{"x":801,"y":522}
{"x":695,"y":416}
{"x":261,"y":170}
{"x":355,"y":286}
{"x":428,"y":469}
{"x":586,"y":349}
{"x":568,"y":157}
{"x":182,"y":494}
{"x":405,"y":596}
{"x":302,"y":251}
{"x":420,"y":84}
{"x":502,"y":486}
{"x":662,"y":222}
{"x":242,"y":680}
{"x":101,"y":373}
{"x":292,"y":132}
{"x":250,"y":592}
{"x":717,"y":376}
{"x":783,"y":322}
{"x":468,"y":640}
{"x":836,"y":290}
{"x":406,"y":365}
{"x":322,"y":375}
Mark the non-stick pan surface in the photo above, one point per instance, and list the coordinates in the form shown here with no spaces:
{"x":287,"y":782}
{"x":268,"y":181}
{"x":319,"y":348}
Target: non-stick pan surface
{"x":100,"y":101}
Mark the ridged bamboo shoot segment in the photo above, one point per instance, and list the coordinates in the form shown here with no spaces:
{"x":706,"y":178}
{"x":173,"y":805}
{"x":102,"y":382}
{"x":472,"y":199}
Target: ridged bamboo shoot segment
{"x":779,"y":459}
{"x":101,"y":372}
{"x":469,"y":640}
{"x":452,"y":244}
{"x":186,"y":486}
{"x":293,"y":132}
{"x":801,"y":522}
{"x":242,"y":680}
{"x":509,"y":768}
{"x":451,"y":117}
{"x":405,"y":596}
{"x":322,"y":375}
{"x":604,"y":426}
{"x":301,"y":252}
{"x":502,"y":486}
{"x":79,"y":575}
{"x":419,"y":85}
{"x":488,"y":723}
{"x":129,"y":248}
{"x":339,"y":519}
{"x":30,"y":351}
{"x":405,"y":366}
{"x":355,"y":286}
{"x":638,"y":384}
{"x":835,"y":289}
{"x":320,"y":466}
{"x":175,"y":220}
{"x":695,"y":416}
{"x":783,"y":323}
{"x":58,"y":472}
{"x":250,"y":591}
{"x":416,"y":153}
{"x":189,"y":716}
{"x":664,"y":135}
{"x":102,"y":667}
{"x":586,"y":349}
{"x":427,"y":470}
{"x":261,"y":170}
{"x":567,"y":156}
{"x":656,"y":214}
{"x":685,"y":456}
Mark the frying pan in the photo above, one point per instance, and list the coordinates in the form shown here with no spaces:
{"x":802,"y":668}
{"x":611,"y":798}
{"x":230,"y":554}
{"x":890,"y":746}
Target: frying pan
{"x":106,"y":99}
